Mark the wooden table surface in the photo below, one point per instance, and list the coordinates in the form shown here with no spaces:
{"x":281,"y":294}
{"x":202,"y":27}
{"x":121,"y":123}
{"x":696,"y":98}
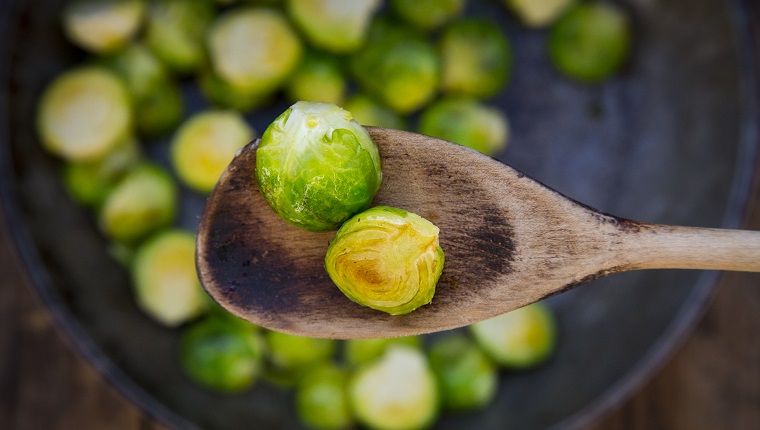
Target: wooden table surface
{"x":711,"y":382}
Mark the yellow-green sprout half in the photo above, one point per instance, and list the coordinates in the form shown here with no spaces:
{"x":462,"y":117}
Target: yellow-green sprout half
{"x":338,"y":26}
{"x":467,"y":122}
{"x":387,"y":259}
{"x":428,"y":14}
{"x":368,"y":111}
{"x":322,"y":399}
{"x":538,"y":13}
{"x":318,"y":78}
{"x":317,"y":167}
{"x":102,"y":26}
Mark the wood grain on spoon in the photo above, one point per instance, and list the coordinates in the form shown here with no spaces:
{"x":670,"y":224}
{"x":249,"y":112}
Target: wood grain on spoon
{"x":509,"y":241}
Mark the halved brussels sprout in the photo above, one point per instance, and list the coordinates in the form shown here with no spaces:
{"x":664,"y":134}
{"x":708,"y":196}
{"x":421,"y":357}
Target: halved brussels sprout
{"x":84,"y":113}
{"x":144,"y":200}
{"x":468,"y":123}
{"x":476,"y":58}
{"x":538,"y":13}
{"x":399,"y":391}
{"x":222,"y":355}
{"x":519,"y":339}
{"x":222,"y":94}
{"x":316,"y":166}
{"x":165,"y":281}
{"x":467,"y":377}
{"x":358,"y":352}
{"x":387,"y":259}
{"x":318,"y":78}
{"x":205,"y":144}
{"x":291,"y":357}
{"x":102,"y":26}
{"x":322,"y":399}
{"x":591,"y":41}
{"x":333,"y":25}
{"x":428,"y":14}
{"x":367,"y":111}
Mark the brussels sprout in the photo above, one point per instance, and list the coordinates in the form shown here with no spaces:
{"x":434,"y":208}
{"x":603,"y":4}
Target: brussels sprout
{"x":318,"y":78}
{"x":84,"y":113}
{"x":398,"y":66}
{"x":253,"y":50}
{"x":519,"y":339}
{"x":358,"y":352}
{"x":367,"y":111}
{"x":161,"y":111}
{"x":590,"y":42}
{"x":538,"y":13}
{"x":399,"y":391}
{"x":476,"y":58}
{"x":468,"y":379}
{"x":428,"y":14}
{"x":144,"y":200}
{"x":322,"y":399}
{"x":333,"y":25}
{"x":316,"y":167}
{"x":222,"y":355}
{"x":468,"y":123}
{"x":175,"y":32}
{"x":165,"y":281}
{"x":102,"y":26}
{"x":205,"y":144}
{"x":387,"y":259}
{"x":221,"y":93}
{"x":291,"y":356}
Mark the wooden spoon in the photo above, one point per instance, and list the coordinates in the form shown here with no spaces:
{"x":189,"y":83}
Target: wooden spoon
{"x":509,"y":241}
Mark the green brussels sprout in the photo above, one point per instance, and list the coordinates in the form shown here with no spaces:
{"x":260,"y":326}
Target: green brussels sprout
{"x":538,"y":13}
{"x":318,"y":78}
{"x":161,"y":111}
{"x":316,"y":166}
{"x":396,"y":392}
{"x":222,"y":355}
{"x":337,"y":26}
{"x":291,"y":357}
{"x":590,"y":42}
{"x":84,"y":113}
{"x":387,"y":259}
{"x":165,"y":281}
{"x":254,"y":50}
{"x":175,"y":31}
{"x":428,"y":14}
{"x":358,"y":352}
{"x":102,"y":26}
{"x":322,"y":399}
{"x":205,"y":144}
{"x":476,"y":58}
{"x":519,"y":339}
{"x":467,"y":378}
{"x":398,"y":66}
{"x":468,"y":123}
{"x":143,"y":201}
{"x":222,"y":94}
{"x":367,"y":111}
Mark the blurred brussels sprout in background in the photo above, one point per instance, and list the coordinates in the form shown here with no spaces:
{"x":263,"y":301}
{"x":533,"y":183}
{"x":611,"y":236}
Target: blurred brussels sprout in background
{"x":387,"y":259}
{"x":222,"y":94}
{"x":467,"y":378}
{"x":175,"y":32}
{"x":398,"y":66}
{"x":166,"y":284}
{"x":102,"y":26}
{"x":316,"y":166}
{"x":476,"y":58}
{"x":398,"y":391}
{"x":322,"y":399}
{"x":368,"y":111}
{"x":160,"y":111}
{"x":519,"y":339}
{"x":84,"y":113}
{"x":337,"y":26}
{"x":144,"y":200}
{"x":205,"y":144}
{"x":428,"y":14}
{"x":358,"y":352}
{"x":591,"y":41}
{"x":291,"y":357}
{"x":468,"y":123}
{"x":538,"y":13}
{"x":318,"y":78}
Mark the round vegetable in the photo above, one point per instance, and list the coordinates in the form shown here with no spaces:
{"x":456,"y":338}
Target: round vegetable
{"x":160,"y":111}
{"x":223,"y":94}
{"x":291,"y":357}
{"x":519,"y":339}
{"x":428,"y":14}
{"x":387,"y":259}
{"x":205,"y":144}
{"x":591,"y":41}
{"x":84,"y":113}
{"x":476,"y":58}
{"x":102,"y":26}
{"x":468,"y":123}
{"x":538,"y":13}
{"x":322,"y":399}
{"x":359,"y":352}
{"x":316,"y":166}
{"x":367,"y":111}
{"x":318,"y":78}
{"x":222,"y":355}
{"x":399,"y":391}
{"x":333,"y":25}
{"x":166,"y":284}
